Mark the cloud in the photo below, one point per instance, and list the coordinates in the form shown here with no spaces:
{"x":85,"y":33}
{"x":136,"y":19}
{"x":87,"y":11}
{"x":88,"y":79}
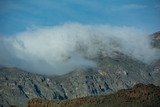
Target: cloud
{"x":134,"y":6}
{"x":128,"y":7}
{"x":157,"y":6}
{"x":60,"y":49}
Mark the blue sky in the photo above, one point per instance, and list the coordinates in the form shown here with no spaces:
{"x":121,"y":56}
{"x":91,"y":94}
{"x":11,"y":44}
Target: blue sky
{"x":19,"y":15}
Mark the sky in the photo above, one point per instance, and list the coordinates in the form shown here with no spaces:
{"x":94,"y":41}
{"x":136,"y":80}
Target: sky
{"x":58,"y":36}
{"x":20,"y":15}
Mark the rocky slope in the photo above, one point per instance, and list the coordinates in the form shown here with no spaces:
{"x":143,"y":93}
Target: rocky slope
{"x":138,"y":96}
{"x":112,"y":74}
{"x":156,"y":39}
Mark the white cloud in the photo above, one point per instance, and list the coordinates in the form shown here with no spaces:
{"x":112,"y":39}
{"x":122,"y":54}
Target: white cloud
{"x":60,"y":49}
{"x":157,"y":6}
{"x":127,"y":7}
{"x":133,"y":6}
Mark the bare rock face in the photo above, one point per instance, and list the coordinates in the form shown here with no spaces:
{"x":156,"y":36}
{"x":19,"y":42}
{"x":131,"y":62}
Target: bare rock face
{"x":157,"y":35}
{"x":155,"y":67}
{"x":156,"y":39}
{"x":140,"y":96}
{"x":18,"y":86}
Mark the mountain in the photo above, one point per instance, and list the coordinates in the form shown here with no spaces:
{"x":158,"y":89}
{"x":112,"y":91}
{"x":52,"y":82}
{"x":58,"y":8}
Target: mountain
{"x":156,"y":39}
{"x":139,"y":96}
{"x":111,"y":74}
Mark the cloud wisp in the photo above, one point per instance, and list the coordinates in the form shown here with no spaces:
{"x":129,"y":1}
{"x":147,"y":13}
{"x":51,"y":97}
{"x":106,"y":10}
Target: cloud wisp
{"x":60,"y":49}
{"x":128,"y":7}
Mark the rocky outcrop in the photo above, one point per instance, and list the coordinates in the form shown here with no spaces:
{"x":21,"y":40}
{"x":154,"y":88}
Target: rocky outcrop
{"x":23,"y":86}
{"x":155,"y":68}
{"x":156,"y":39}
{"x":140,"y":96}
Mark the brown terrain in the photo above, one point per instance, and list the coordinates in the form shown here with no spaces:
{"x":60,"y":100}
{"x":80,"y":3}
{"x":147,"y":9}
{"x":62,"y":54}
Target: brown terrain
{"x":139,"y":96}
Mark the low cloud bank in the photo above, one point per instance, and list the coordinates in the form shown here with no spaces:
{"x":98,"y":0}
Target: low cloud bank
{"x":60,"y":49}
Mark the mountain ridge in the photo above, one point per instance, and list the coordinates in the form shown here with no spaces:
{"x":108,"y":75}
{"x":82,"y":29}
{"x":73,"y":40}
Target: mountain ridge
{"x":112,"y":74}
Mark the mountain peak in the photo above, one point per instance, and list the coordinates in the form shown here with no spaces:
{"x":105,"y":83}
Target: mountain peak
{"x":157,"y":35}
{"x":156,"y":39}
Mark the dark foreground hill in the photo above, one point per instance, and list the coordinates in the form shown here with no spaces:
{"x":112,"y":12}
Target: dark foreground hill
{"x":139,"y":96}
